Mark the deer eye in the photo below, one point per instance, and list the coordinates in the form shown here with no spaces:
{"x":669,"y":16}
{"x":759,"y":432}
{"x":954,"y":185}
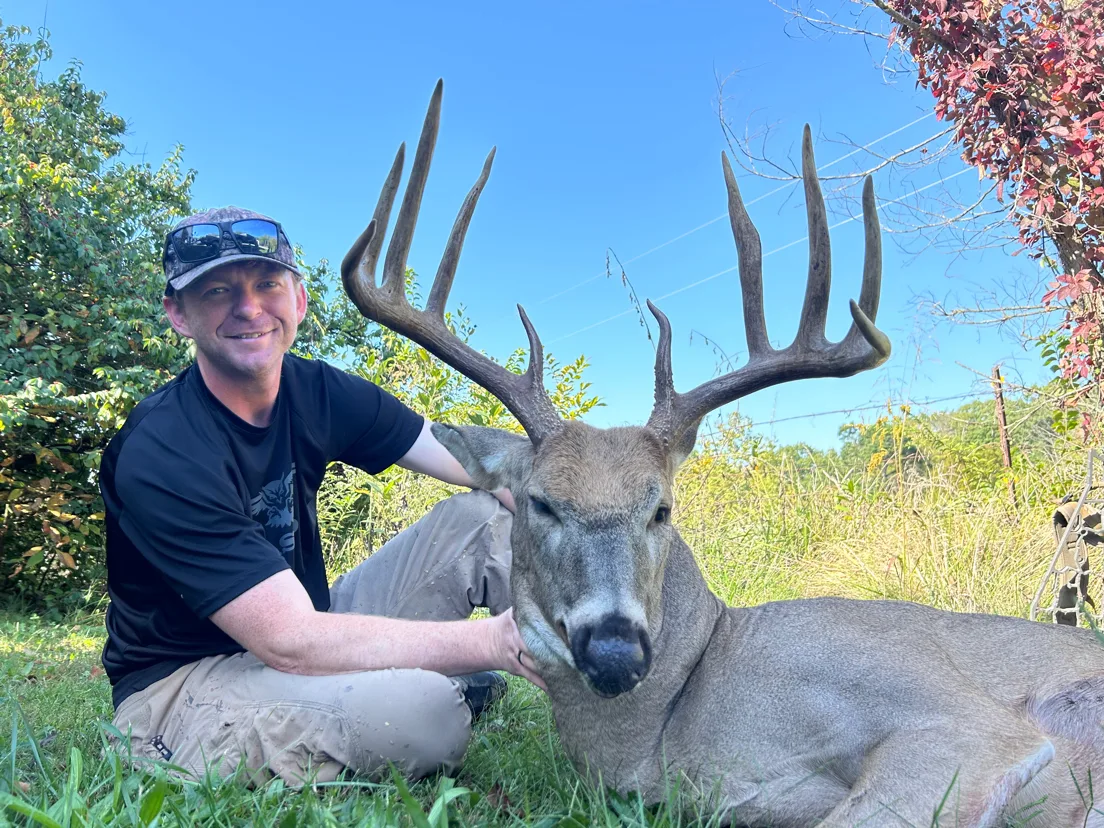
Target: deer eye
{"x":662,"y":515}
{"x":542,"y":508}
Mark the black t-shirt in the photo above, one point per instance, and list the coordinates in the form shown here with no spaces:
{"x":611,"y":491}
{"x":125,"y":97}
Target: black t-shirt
{"x":201,"y":506}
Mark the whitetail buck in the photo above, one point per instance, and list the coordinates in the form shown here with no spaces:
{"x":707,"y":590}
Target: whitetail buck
{"x":796,"y":713}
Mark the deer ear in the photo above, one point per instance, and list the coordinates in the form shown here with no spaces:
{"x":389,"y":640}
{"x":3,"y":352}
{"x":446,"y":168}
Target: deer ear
{"x":683,"y":444}
{"x":494,"y":458}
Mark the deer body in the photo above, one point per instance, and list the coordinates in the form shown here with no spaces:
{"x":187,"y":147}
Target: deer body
{"x":772,"y":726}
{"x":791,"y":714}
{"x":782,"y":713}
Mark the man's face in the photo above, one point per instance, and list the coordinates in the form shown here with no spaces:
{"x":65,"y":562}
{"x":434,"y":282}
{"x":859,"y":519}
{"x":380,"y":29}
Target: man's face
{"x":242,"y":317}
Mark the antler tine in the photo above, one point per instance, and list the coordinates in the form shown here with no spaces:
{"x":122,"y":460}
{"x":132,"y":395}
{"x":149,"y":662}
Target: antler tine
{"x":665,"y":393}
{"x":864,"y":314}
{"x":446,"y":272}
{"x":365,"y":251}
{"x":524,"y":395}
{"x":675,"y":416}
{"x":394,"y":266}
{"x":814,"y":314}
{"x":542,"y":416}
{"x":749,"y":251}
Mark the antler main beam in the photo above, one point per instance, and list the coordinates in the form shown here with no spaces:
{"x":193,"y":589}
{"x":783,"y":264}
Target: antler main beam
{"x":810,"y":354}
{"x":523,"y":394}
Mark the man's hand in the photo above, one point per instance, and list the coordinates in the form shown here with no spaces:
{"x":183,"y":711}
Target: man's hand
{"x":506,"y":498}
{"x":508,"y":649}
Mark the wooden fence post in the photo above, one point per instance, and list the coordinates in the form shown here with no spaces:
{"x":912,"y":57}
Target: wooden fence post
{"x":1002,"y":430}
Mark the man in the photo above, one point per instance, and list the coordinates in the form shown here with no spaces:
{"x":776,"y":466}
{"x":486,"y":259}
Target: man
{"x":226,"y":647}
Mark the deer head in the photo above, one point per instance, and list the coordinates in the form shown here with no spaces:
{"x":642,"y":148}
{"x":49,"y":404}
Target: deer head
{"x":593,"y":526}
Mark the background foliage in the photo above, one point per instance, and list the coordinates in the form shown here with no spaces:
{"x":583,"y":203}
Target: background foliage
{"x":82,"y":336}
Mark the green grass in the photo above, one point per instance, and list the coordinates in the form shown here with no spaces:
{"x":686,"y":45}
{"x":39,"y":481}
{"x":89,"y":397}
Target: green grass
{"x":55,"y":706}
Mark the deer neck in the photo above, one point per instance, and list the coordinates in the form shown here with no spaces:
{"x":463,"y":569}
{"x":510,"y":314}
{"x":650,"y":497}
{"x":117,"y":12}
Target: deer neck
{"x":625,"y":732}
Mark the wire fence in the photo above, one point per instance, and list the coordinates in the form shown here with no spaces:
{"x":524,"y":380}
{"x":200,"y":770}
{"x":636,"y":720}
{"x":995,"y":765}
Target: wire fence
{"x":1064,"y":594}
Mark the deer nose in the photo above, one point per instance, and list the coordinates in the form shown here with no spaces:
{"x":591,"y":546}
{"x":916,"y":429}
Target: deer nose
{"x":615,"y":654}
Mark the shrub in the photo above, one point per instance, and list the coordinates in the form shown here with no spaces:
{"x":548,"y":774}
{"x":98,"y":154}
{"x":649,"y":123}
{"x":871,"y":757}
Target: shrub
{"x":82,"y":337}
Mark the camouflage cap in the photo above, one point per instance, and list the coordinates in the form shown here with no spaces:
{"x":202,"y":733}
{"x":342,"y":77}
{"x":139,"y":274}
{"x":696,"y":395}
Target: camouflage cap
{"x":178,"y":274}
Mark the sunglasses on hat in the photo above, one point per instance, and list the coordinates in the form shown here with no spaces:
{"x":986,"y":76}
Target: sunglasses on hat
{"x":196,"y":243}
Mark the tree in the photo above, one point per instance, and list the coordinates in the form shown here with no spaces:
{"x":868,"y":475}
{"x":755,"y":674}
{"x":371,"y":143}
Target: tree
{"x":1022,"y":84}
{"x":82,"y":336}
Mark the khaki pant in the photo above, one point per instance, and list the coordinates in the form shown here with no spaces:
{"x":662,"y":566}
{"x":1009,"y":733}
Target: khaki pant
{"x":225,"y":711}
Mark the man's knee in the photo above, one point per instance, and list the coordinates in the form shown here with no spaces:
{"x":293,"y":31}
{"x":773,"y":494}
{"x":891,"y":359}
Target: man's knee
{"x":472,"y":530}
{"x":438,"y":733}
{"x":473,"y":508}
{"x":471,"y":523}
{"x":423,"y":726}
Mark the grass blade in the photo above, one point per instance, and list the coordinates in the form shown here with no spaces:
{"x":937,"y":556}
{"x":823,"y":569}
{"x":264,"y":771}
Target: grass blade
{"x":413,"y":809}
{"x":30,"y":811}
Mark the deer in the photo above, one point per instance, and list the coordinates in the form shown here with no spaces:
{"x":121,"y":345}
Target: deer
{"x":822,"y":711}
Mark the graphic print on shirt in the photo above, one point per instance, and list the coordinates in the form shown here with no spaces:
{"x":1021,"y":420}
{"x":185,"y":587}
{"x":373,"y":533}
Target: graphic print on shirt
{"x":274,"y":508}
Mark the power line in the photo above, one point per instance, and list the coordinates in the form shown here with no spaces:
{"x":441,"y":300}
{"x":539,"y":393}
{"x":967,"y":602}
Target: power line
{"x":871,"y":408}
{"x":755,"y":200}
{"x":765,"y":255}
{"x":933,"y":401}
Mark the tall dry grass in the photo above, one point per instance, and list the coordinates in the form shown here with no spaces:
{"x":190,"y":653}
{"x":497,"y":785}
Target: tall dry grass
{"x":913,"y":515}
{"x":787,"y":523}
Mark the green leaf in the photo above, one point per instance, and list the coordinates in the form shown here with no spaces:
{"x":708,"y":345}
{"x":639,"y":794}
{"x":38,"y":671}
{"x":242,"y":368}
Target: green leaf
{"x":153,"y":801}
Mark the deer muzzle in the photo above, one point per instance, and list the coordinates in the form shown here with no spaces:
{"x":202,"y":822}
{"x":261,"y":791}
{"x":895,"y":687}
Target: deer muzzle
{"x":615,"y":655}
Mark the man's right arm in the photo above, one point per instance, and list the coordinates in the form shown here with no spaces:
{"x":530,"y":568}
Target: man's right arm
{"x":276,"y":621}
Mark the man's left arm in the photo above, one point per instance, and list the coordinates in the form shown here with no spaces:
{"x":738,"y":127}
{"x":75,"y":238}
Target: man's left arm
{"x":365,"y":426}
{"x":428,"y":456}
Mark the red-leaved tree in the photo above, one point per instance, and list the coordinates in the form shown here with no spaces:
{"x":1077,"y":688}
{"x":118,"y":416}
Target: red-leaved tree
{"x":1022,"y":83}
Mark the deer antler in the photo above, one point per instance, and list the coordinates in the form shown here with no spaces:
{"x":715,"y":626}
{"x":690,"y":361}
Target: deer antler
{"x":676,"y":416}
{"x":523,"y":394}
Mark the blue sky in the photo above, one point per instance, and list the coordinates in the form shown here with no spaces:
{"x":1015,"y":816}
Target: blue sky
{"x":604,"y":115}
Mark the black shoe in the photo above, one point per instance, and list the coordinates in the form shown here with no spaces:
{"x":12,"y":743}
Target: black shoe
{"x":481,"y":690}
